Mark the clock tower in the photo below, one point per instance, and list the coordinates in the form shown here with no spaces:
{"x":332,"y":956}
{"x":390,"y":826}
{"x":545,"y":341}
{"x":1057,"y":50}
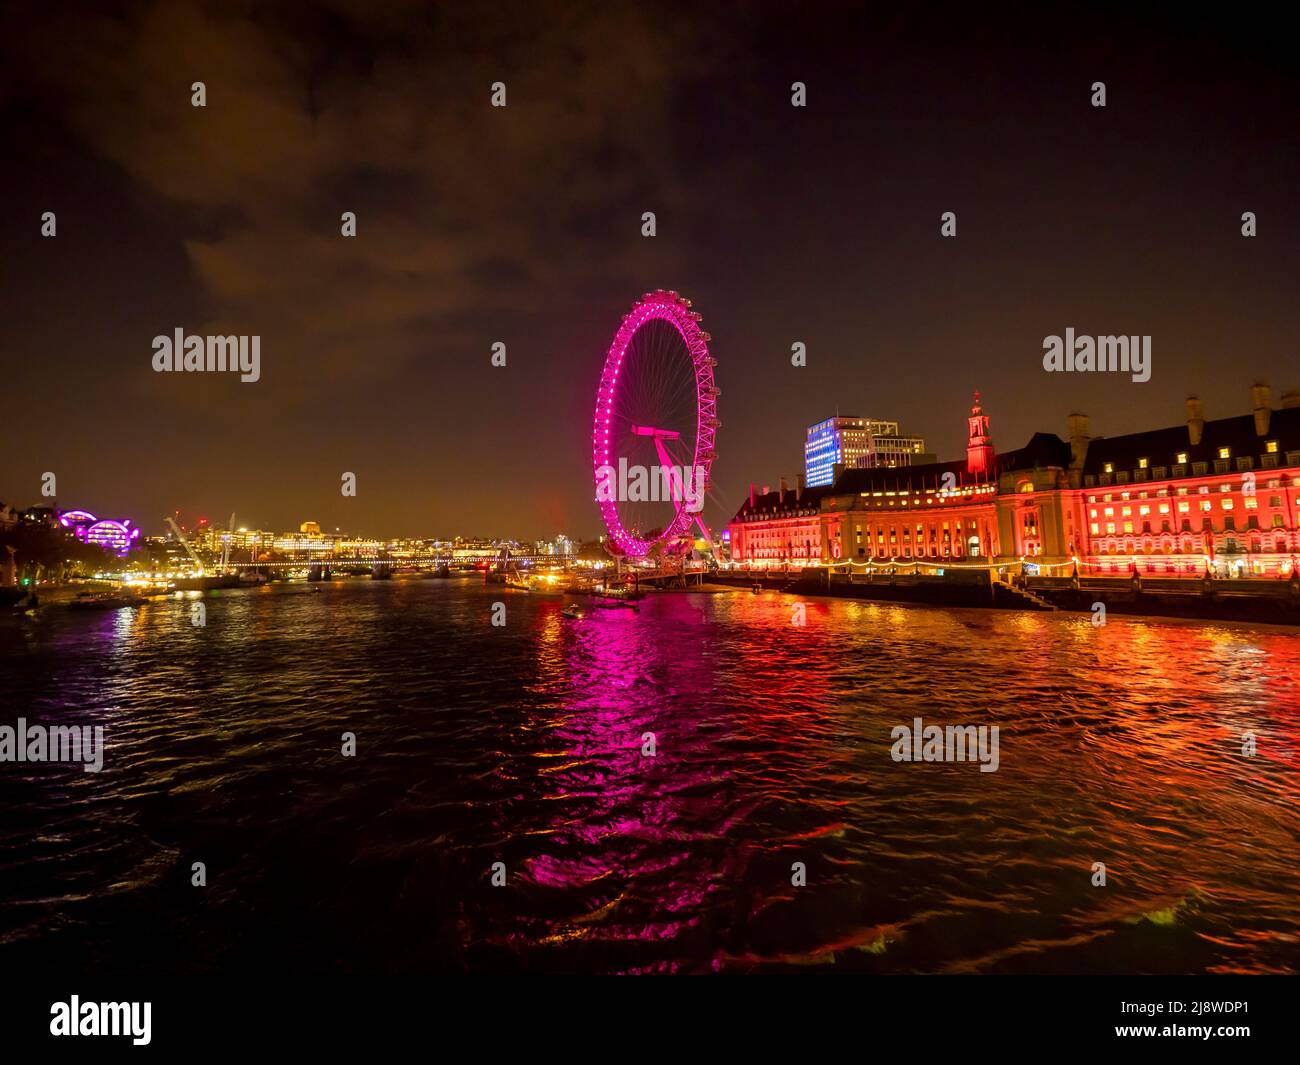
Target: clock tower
{"x":979,"y":445}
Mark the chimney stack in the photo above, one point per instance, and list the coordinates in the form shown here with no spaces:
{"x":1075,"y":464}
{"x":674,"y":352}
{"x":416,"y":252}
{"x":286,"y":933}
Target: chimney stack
{"x":1195,"y":419}
{"x":1079,"y":439}
{"x":1261,"y":403}
{"x":766,"y":489}
{"x":781,"y":482}
{"x":751,"y":495}
{"x":803,"y":484}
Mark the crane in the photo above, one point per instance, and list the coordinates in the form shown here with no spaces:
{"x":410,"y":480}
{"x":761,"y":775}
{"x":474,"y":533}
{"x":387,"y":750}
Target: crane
{"x":225,"y":548}
{"x":185,"y":544}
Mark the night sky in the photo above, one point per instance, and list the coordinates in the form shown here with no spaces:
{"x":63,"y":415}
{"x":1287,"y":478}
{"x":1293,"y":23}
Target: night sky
{"x":522,"y":225}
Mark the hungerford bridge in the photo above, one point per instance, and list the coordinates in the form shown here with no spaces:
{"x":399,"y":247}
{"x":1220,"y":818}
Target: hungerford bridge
{"x":462,"y":559}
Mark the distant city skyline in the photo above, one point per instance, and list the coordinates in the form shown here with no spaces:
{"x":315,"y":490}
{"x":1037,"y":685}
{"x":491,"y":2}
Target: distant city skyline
{"x":200,"y":525}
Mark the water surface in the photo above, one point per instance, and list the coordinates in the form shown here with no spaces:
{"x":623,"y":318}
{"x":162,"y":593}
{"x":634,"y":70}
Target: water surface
{"x":523,"y":745}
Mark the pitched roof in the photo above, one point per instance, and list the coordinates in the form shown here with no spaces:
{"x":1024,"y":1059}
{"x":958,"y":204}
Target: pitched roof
{"x":1160,"y":447}
{"x":1043,"y":450}
{"x":791,"y":500}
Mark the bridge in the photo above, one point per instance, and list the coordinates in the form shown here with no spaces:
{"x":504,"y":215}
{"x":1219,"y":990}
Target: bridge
{"x":455,"y":560}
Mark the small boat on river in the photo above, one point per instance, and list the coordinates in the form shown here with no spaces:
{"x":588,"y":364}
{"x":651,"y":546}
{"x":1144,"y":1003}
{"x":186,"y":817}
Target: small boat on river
{"x":106,"y":600}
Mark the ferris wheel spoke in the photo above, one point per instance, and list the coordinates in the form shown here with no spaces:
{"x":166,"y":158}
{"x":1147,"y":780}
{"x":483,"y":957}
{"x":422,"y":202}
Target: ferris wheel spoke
{"x":648,"y":414}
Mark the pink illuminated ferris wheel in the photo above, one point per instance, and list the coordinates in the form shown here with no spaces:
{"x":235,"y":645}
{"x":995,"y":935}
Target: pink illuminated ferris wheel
{"x":653,"y":436}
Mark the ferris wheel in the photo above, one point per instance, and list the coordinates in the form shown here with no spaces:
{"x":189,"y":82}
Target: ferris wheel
{"x":652,"y":439}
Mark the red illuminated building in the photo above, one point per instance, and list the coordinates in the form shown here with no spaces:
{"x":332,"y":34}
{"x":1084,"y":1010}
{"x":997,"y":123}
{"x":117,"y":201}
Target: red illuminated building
{"x":1216,"y":496}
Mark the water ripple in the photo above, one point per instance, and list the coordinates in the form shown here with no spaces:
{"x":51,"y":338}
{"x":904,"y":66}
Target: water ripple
{"x":525,"y":746}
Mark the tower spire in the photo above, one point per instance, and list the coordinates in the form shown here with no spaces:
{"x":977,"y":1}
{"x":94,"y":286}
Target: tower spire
{"x":979,"y":444}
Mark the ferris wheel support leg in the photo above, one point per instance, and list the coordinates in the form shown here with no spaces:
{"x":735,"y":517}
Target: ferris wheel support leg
{"x":667,"y":464}
{"x":676,"y":488}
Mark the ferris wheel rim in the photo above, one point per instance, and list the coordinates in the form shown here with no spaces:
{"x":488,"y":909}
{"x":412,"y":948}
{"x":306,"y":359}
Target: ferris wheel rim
{"x":671,"y":308}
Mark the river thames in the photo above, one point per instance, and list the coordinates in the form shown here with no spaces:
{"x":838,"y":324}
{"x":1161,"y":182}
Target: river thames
{"x":523,"y":745}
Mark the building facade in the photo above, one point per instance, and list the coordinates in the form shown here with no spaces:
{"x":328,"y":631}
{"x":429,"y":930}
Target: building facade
{"x":856,"y":442}
{"x":1216,"y":496}
{"x":782,"y":527}
{"x":1209,"y":496}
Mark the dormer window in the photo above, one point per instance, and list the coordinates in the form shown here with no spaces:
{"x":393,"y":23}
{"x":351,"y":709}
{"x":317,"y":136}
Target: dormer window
{"x":1271,"y":447}
{"x":1225,"y":452}
{"x":1142,"y":464}
{"x":1108,"y":468}
{"x":1181,"y":458}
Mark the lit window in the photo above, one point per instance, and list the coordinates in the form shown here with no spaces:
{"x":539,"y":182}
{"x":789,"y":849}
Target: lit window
{"x":1108,"y":468}
{"x":1225,"y":452}
{"x":1181,"y":458}
{"x":1142,"y":464}
{"x":1271,"y":447}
